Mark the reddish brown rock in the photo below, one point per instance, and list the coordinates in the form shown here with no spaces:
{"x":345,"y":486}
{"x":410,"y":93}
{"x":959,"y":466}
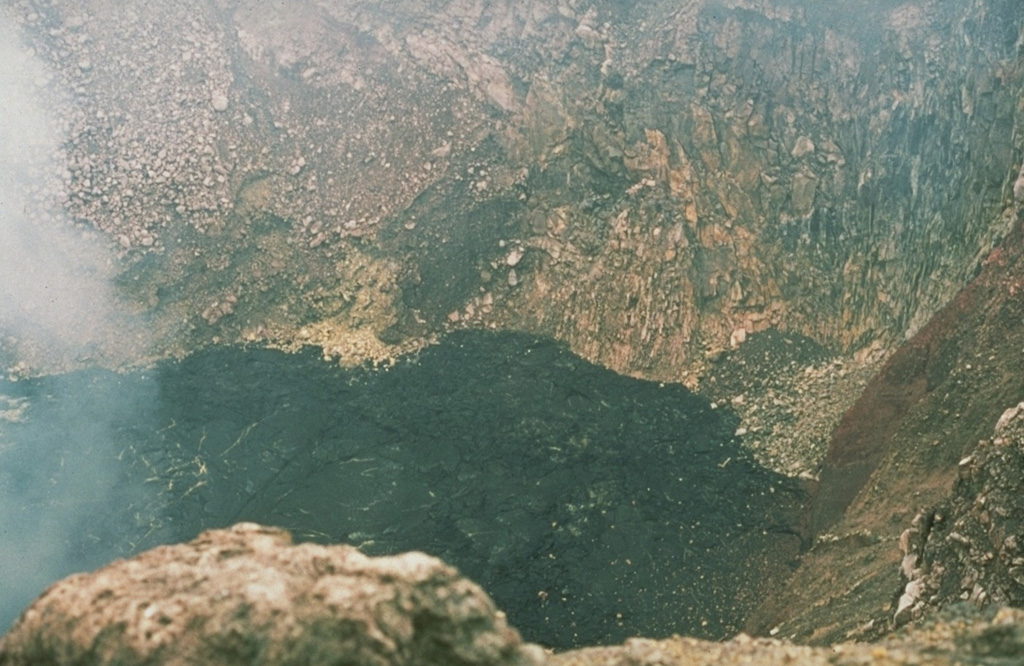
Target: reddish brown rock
{"x":833,"y":172}
{"x":896,"y":455}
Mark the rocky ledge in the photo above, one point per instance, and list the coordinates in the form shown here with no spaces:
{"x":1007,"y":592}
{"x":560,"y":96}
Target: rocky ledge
{"x":248,"y":595}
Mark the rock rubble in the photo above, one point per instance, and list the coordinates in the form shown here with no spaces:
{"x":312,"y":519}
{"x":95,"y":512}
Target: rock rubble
{"x":790,"y":394}
{"x":969,"y":547}
{"x":247,"y":595}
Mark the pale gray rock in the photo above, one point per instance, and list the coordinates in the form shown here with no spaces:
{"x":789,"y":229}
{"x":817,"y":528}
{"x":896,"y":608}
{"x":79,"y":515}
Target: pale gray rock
{"x":219,"y":101}
{"x":246,"y":595}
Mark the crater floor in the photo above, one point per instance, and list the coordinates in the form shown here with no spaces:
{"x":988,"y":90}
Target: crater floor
{"x":591,"y":506}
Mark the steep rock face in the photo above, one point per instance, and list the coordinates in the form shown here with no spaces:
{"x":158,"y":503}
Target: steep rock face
{"x":771,"y":167}
{"x":646,"y":183}
{"x":642,"y":182}
{"x":968,"y":548}
{"x":898,"y":453}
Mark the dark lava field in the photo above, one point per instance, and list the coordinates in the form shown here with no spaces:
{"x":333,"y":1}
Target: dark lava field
{"x":591,"y":506}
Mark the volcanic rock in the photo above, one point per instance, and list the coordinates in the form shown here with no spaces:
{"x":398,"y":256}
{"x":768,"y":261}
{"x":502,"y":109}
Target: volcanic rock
{"x":247,"y":595}
{"x":834,"y":170}
{"x":909,"y":439}
{"x":219,"y":101}
{"x":745,"y":163}
{"x":968,"y":547}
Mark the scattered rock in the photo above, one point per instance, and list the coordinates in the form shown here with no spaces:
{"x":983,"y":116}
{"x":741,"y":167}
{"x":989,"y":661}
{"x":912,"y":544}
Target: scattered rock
{"x":514,"y":257}
{"x":960,"y":636}
{"x":246,"y":595}
{"x":738,"y":337}
{"x":1008,"y":416}
{"x":219,"y":100}
{"x":449,"y":94}
{"x":789,"y":393}
{"x":804,"y":146}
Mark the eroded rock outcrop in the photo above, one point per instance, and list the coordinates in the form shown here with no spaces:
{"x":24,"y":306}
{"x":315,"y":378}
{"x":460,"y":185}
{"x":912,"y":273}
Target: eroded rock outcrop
{"x":960,"y":637}
{"x":764,"y":152}
{"x":246,"y":595}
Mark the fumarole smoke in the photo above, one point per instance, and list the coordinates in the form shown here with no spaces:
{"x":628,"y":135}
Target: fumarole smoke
{"x":57,"y":311}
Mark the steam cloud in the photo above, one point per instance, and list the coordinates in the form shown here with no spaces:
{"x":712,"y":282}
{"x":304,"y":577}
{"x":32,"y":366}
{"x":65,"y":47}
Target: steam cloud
{"x":56,"y":303}
{"x":54,"y":281}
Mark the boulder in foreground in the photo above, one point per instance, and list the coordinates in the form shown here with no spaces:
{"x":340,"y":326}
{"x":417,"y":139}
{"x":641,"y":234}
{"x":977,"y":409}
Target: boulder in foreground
{"x":246,"y":595}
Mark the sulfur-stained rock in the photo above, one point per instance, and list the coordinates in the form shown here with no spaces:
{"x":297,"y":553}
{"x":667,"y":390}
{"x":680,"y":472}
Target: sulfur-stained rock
{"x":246,"y":595}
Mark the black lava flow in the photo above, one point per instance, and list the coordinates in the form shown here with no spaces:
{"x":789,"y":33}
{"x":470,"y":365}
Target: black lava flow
{"x":590,"y":506}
